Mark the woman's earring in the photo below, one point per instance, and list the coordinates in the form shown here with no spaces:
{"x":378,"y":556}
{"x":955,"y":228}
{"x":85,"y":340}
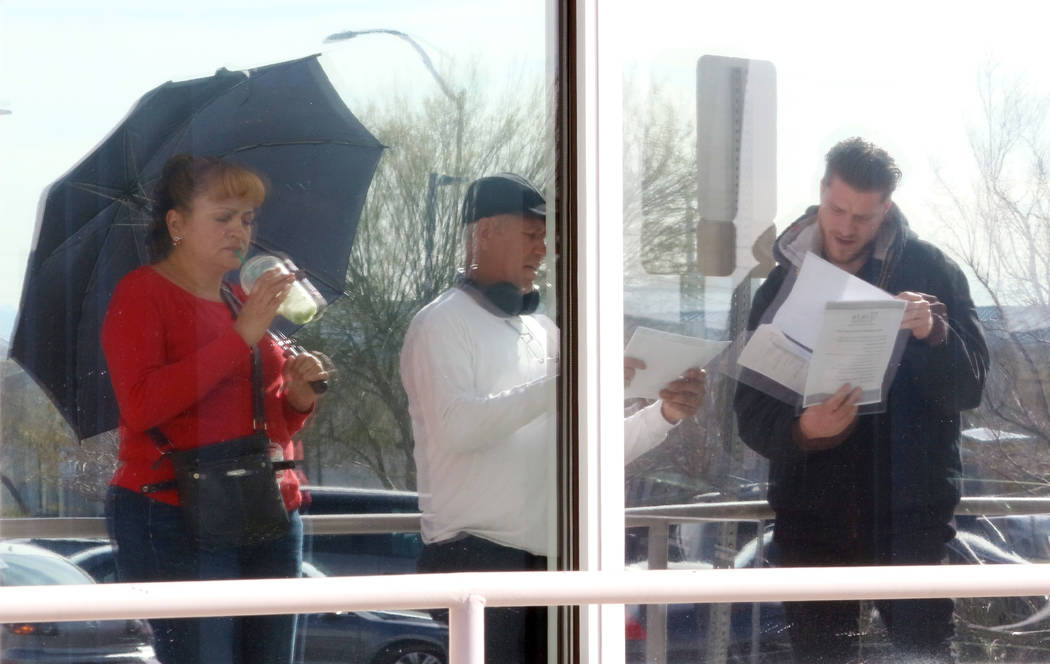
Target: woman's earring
{"x":176,"y":240}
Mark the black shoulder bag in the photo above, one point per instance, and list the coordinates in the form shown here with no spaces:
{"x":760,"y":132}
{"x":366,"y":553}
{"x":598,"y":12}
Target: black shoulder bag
{"x":228,"y":492}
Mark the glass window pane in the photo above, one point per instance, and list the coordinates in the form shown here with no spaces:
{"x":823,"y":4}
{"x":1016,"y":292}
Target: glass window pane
{"x":736,"y":164}
{"x":349,"y":137}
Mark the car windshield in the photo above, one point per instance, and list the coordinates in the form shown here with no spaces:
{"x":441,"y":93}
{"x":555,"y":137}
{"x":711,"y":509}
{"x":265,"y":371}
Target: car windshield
{"x":33,"y":570}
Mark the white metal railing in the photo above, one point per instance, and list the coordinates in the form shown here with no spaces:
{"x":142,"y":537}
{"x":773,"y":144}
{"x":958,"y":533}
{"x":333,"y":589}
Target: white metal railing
{"x":659,"y":518}
{"x":467,"y":595}
{"x":314,"y":524}
{"x":377,"y":524}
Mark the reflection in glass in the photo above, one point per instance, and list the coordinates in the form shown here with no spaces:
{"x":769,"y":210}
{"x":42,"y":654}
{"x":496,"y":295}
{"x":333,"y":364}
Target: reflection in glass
{"x":479,"y":365}
{"x":208,"y":405}
{"x":450,"y":101}
{"x":110,"y":640}
{"x":968,"y":189}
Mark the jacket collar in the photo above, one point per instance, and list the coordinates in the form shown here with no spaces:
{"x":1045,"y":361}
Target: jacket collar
{"x":804,"y":235}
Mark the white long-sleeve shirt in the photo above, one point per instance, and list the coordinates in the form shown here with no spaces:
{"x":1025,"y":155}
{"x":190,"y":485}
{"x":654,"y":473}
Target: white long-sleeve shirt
{"x":481,"y":393}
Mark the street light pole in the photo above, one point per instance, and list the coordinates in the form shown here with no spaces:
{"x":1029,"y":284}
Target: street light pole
{"x":434,"y":180}
{"x":455,"y":97}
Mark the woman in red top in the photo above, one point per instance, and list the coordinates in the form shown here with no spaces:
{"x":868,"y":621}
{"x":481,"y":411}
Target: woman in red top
{"x":180,"y":362}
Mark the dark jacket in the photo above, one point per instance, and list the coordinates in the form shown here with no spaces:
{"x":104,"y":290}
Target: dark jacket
{"x":899,"y":470}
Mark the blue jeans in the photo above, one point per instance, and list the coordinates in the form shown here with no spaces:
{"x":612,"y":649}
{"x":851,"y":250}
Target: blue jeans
{"x":151,"y":544}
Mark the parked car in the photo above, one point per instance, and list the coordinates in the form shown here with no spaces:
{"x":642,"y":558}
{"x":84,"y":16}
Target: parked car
{"x":688,"y":625}
{"x":1027,"y":535}
{"x":997,"y":629}
{"x":63,"y":546}
{"x":340,"y":555}
{"x":358,"y":554}
{"x":375,"y":637}
{"x":84,"y":642}
{"x":358,"y":637}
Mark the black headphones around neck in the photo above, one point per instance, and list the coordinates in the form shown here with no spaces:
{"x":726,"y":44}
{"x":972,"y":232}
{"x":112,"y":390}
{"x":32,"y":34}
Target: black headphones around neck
{"x":502,"y":298}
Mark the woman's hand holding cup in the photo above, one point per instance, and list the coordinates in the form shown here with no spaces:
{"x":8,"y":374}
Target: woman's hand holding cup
{"x":260,"y":307}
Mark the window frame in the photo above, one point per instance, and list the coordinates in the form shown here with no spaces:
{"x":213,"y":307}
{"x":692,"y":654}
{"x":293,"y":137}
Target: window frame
{"x":589,"y":135}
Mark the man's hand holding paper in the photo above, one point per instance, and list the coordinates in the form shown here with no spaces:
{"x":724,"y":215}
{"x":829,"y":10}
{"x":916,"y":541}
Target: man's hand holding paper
{"x":827,"y":424}
{"x":824,"y":425}
{"x":926,"y":317}
{"x":845,"y":330}
{"x":658,"y":361}
{"x":818,"y":283}
{"x":681,"y":398}
{"x":855,"y":347}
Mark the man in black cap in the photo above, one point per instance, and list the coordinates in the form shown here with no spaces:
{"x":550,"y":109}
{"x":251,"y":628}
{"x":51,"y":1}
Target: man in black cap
{"x":480,"y":368}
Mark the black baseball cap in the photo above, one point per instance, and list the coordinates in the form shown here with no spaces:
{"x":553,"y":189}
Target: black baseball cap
{"x":503,"y":193}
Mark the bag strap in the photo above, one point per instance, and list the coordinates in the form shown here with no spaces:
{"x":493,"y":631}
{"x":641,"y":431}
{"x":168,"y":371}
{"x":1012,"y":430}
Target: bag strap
{"x":258,"y":400}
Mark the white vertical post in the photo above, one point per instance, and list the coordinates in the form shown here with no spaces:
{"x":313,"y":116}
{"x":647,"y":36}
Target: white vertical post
{"x":600,"y":307}
{"x":656,"y":614}
{"x":466,"y":631}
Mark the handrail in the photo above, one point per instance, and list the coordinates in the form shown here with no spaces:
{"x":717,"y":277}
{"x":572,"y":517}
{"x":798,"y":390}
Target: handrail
{"x":759,"y":510}
{"x":465,"y":595}
{"x":373,"y":524}
{"x":178,"y":599}
{"x":467,"y":606}
{"x":658,"y":519}
{"x":316,"y":524}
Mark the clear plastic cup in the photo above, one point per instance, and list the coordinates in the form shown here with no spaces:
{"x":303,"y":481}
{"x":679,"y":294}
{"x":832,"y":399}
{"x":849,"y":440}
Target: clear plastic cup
{"x":303,"y":303}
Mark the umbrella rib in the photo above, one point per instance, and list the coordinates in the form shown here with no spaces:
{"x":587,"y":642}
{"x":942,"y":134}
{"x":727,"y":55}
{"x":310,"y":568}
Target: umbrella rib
{"x":305,"y":141}
{"x":110,"y":193}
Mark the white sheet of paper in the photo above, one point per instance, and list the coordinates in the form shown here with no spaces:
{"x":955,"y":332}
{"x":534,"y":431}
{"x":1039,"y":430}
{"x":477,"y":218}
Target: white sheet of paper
{"x":855,"y":345}
{"x":666,"y":356}
{"x":776,"y":357}
{"x":818,"y":283}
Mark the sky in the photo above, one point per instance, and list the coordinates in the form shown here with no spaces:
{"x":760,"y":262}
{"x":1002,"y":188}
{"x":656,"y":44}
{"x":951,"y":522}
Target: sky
{"x":70,"y":71}
{"x":903,"y":75}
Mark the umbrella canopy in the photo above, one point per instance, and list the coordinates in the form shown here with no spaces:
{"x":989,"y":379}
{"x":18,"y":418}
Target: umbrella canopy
{"x":285,"y":121}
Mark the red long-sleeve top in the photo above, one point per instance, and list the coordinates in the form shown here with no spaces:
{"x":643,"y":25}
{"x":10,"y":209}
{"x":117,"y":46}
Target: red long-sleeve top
{"x":176,"y":363}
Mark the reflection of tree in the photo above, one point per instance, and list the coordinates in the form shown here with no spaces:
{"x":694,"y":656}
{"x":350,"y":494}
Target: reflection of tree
{"x":23,"y":509}
{"x":364,"y":420}
{"x":1001,"y":231}
{"x":659,"y":183}
{"x":35,"y":438}
{"x":660,"y":236}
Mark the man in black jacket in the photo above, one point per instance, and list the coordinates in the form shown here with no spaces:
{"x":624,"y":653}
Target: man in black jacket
{"x":854,"y":489}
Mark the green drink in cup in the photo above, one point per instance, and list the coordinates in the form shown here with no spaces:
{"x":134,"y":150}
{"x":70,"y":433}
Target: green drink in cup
{"x":303,"y":303}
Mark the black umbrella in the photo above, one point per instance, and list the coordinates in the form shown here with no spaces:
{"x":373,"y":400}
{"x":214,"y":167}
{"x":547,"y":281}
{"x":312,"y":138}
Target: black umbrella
{"x":285,"y":121}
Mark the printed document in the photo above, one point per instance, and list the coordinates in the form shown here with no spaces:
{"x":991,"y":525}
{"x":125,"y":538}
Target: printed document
{"x":776,"y":357}
{"x":667,"y":356}
{"x":832,"y":329}
{"x":818,"y":283}
{"x":854,"y":347}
